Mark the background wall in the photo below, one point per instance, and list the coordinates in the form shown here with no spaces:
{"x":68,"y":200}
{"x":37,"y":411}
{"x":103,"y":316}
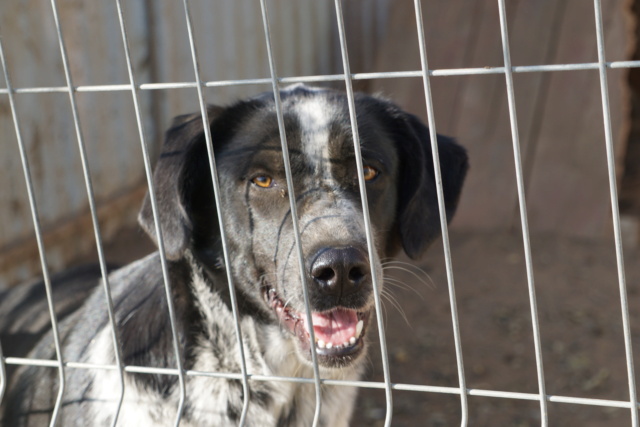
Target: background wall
{"x":231,"y":46}
{"x":559,"y":113}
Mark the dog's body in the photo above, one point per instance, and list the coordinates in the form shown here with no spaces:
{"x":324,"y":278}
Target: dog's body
{"x":264,"y":268}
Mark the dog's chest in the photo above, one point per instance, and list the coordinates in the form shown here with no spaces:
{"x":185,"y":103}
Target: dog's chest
{"x":269,"y":352}
{"x":297,"y":403}
{"x":218,"y":400}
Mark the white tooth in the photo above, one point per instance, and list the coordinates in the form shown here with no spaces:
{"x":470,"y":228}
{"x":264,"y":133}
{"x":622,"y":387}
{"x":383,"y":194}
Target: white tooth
{"x":345,"y":344}
{"x":359,"y":327}
{"x":329,"y":345}
{"x":352,"y":340}
{"x":321,"y":344}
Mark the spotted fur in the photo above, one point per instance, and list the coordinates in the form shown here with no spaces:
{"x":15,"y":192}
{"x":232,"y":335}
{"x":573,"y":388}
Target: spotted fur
{"x":263,"y":263}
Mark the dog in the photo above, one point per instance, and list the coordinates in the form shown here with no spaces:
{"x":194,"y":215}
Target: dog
{"x":263,"y":266}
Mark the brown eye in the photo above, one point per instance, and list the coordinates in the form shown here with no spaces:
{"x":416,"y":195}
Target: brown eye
{"x":263,"y":181}
{"x":370,"y":173}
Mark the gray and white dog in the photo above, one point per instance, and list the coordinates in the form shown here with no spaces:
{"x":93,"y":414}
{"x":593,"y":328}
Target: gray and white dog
{"x":401,"y":192}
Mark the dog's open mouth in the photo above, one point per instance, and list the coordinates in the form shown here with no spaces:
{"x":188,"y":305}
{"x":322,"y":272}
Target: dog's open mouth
{"x":338,"y":332}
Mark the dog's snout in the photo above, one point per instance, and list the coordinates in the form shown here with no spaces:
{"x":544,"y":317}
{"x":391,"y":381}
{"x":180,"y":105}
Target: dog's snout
{"x":340,"y":270}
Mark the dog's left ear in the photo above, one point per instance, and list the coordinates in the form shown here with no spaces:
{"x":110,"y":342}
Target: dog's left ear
{"x":419,"y":220}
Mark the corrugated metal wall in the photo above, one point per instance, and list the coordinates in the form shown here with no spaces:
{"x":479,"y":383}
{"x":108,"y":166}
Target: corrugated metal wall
{"x":230,"y":43}
{"x":93,"y":40}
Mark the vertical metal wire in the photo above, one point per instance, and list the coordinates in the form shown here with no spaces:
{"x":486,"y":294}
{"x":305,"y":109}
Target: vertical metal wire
{"x":3,"y":368}
{"x":216,"y":193}
{"x":93,"y":210}
{"x":523,"y":212}
{"x":443,"y":214}
{"x":293,"y":208}
{"x":3,"y":375}
{"x":611,"y":167}
{"x":365,"y":210}
{"x":156,"y":219}
{"x":38,"y":232}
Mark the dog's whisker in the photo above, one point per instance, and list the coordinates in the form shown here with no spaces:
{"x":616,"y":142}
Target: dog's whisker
{"x":429,"y":283}
{"x":287,"y":302}
{"x":389,"y":261}
{"x":368,"y":360}
{"x":394,"y":302}
{"x":384,"y":310}
{"x":397,"y":283}
{"x":408,"y":265}
{"x":267,"y":275}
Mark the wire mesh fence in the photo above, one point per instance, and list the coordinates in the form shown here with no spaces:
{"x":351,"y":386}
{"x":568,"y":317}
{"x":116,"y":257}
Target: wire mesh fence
{"x":276,"y":82}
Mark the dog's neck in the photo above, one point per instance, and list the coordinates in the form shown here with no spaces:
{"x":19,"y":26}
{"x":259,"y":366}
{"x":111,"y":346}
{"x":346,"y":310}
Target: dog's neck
{"x":267,"y":350}
{"x":213,"y":272}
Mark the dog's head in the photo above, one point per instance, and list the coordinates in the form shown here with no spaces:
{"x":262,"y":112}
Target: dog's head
{"x":401,"y":193}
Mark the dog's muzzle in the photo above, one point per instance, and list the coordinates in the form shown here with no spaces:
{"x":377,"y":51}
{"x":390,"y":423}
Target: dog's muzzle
{"x":339,"y":281}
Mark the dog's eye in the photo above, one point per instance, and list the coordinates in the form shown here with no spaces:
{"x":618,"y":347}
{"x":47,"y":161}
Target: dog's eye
{"x":370,"y":173}
{"x":263,"y":181}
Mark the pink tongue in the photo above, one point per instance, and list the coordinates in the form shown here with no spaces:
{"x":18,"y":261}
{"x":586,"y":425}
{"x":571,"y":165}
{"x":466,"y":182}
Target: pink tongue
{"x":335,"y":327}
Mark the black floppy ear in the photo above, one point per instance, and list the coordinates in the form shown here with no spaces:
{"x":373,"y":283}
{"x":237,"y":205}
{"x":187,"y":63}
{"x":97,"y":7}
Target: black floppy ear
{"x":182,"y":183}
{"x":419,"y":220}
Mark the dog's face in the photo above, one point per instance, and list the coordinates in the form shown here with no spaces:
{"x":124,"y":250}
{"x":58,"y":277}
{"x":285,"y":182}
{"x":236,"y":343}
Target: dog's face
{"x":337,"y":268}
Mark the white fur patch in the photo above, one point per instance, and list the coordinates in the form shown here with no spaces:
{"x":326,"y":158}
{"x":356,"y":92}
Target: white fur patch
{"x":315,"y":116}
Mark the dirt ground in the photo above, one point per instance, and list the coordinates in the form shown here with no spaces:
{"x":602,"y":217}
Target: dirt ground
{"x":580,"y":322}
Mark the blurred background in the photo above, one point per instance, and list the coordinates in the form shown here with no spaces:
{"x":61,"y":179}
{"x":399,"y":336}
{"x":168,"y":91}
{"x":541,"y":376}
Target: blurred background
{"x":561,"y":128}
{"x":559,"y":113}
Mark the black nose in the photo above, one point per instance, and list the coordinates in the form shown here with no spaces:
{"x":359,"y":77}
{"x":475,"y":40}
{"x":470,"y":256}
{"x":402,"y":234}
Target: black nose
{"x":340,"y":271}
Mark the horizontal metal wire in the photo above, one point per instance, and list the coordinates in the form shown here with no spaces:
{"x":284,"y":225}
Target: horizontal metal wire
{"x":443,"y":72}
{"x":360,"y":384}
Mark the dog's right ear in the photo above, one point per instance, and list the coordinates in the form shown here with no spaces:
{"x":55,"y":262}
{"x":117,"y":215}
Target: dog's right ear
{"x":419,"y":221}
{"x":181,"y":174}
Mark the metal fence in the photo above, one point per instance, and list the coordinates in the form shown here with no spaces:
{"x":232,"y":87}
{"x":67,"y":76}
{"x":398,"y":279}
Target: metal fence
{"x":347,"y":77}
